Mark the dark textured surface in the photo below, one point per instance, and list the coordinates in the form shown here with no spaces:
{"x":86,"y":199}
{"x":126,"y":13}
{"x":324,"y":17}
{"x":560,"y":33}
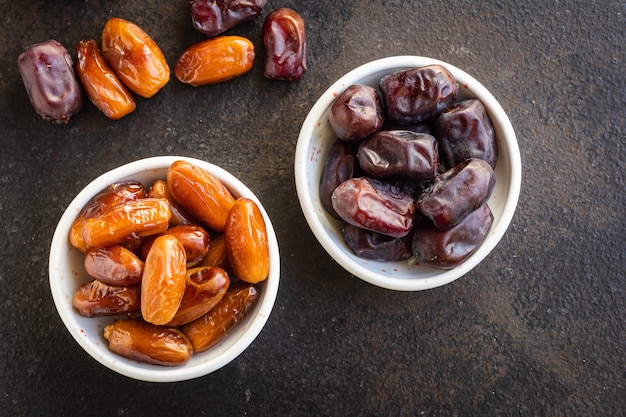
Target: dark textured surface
{"x":536,"y":330}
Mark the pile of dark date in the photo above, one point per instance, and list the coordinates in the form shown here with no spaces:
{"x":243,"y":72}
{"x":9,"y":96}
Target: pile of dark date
{"x":412,"y":169}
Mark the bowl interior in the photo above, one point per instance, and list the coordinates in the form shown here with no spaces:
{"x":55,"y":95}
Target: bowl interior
{"x":67,"y":273}
{"x":314,"y":142}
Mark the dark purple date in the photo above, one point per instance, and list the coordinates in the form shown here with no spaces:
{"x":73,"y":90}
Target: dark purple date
{"x":284,"y":40}
{"x":356,"y":113}
{"x":399,"y":154}
{"x":465,"y":131}
{"x":457,"y":192}
{"x":212,"y":17}
{"x":340,"y":165}
{"x":48,"y":74}
{"x":446,"y":248}
{"x":376,"y":246}
{"x":418,"y":94}
{"x":374,"y":205}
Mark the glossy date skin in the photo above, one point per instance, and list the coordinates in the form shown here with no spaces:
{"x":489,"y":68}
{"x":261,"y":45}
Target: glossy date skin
{"x":457,"y":192}
{"x":447,"y":248}
{"x":465,"y":131}
{"x":284,"y":40}
{"x":212,"y":17}
{"x":399,"y":154}
{"x":194,"y":239}
{"x":340,"y":165}
{"x":418,"y":94}
{"x":47,"y":72}
{"x":356,"y":113}
{"x":97,"y":299}
{"x":114,"y":265}
{"x":374,"y":205}
{"x":376,"y":246}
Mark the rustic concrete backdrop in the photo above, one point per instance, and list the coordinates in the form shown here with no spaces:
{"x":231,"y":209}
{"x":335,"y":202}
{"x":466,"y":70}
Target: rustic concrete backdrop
{"x":536,"y":330}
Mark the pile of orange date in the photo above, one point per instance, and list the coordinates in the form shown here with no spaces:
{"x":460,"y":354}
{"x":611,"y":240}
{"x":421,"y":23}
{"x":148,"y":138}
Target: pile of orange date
{"x":130,"y":61}
{"x":181,"y":259}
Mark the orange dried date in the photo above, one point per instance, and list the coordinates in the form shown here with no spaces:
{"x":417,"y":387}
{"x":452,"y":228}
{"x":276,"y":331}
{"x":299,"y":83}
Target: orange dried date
{"x":135,"y":57}
{"x":105,"y":200}
{"x":246,"y":241}
{"x":217,"y":253}
{"x":215,"y":60}
{"x":159,"y":189}
{"x":194,"y":238}
{"x":210,"y":328}
{"x":143,"y":217}
{"x":164,"y":280}
{"x":203,"y":195}
{"x":96,"y":299}
{"x":145,"y":342}
{"x":114,"y":265}
{"x":101,"y":84}
{"x":205,"y":288}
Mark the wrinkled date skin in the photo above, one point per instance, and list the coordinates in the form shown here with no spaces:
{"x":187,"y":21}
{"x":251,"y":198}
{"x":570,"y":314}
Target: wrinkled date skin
{"x":101,"y":84}
{"x":374,"y":205}
{"x":135,"y":218}
{"x":111,"y":196}
{"x":212,"y":17}
{"x":135,"y":57}
{"x":47,"y":72}
{"x":204,"y":289}
{"x":147,"y":343}
{"x":376,"y":246}
{"x":114,"y":265}
{"x":97,"y":299}
{"x":164,"y":280}
{"x":340,"y":165}
{"x":418,"y":94}
{"x":210,"y":328}
{"x":457,"y":192}
{"x":465,"y":131}
{"x":399,"y":154}
{"x":356,"y":113}
{"x":284,"y":41}
{"x":194,"y":239}
{"x":215,"y":60}
{"x":159,"y":189}
{"x":203,"y":195}
{"x":247,"y":246}
{"x":447,"y":248}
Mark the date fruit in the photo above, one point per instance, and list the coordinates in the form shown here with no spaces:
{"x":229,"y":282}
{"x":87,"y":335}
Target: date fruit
{"x":203,"y":195}
{"x":374,"y":205}
{"x":147,"y":343}
{"x":465,"y":131}
{"x":389,"y":154}
{"x":114,"y":265}
{"x":418,"y":94}
{"x":194,"y":239}
{"x":101,"y":84}
{"x":215,"y":60}
{"x":210,"y":328}
{"x":247,"y":246}
{"x":212,"y":17}
{"x":47,"y":72}
{"x":284,"y":41}
{"x":97,"y":299}
{"x":135,"y":57}
{"x":446,"y":248}
{"x":164,"y":280}
{"x":159,"y":189}
{"x":340,"y":165}
{"x":376,"y":246}
{"x":457,"y":192}
{"x":217,"y":253}
{"x":356,"y":113}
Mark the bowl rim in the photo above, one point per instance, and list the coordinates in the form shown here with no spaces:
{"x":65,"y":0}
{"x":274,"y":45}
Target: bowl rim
{"x":154,"y":373}
{"x":306,"y":199}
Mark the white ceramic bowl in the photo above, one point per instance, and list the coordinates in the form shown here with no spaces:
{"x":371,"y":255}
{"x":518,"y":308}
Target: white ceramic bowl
{"x":316,"y":138}
{"x":67,"y":273}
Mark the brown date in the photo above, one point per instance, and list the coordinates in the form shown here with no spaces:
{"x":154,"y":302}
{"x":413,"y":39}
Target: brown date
{"x":205,"y":287}
{"x":145,"y":342}
{"x":101,"y":84}
{"x":340,"y":165}
{"x":203,"y":195}
{"x":210,"y":328}
{"x":284,"y":40}
{"x":356,"y":113}
{"x":164,"y":280}
{"x":114,"y":265}
{"x":376,"y":246}
{"x":159,"y":189}
{"x":143,"y":217}
{"x":135,"y":57}
{"x":217,"y":253}
{"x":96,"y":299}
{"x":212,"y":17}
{"x":194,"y":239}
